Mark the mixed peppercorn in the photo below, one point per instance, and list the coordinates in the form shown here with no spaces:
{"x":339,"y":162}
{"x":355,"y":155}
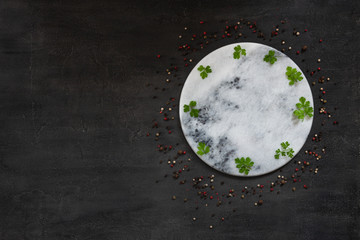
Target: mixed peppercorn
{"x":204,"y":187}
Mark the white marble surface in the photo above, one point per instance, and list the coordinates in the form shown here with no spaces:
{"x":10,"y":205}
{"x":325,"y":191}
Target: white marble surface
{"x":246,"y":109}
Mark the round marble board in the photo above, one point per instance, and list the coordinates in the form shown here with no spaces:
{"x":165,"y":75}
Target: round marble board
{"x":244,"y":108}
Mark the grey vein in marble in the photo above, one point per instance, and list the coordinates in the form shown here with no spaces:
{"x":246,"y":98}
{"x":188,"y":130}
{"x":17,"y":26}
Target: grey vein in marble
{"x":246,"y":109}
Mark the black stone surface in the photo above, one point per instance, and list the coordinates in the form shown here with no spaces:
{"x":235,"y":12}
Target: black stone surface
{"x":75,"y":162}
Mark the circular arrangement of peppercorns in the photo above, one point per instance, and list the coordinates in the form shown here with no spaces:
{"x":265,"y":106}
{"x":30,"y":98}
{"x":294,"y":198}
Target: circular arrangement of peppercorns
{"x":202,"y":191}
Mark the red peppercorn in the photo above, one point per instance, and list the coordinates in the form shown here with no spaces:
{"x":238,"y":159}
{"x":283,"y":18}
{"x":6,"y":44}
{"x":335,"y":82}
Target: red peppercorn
{"x":271,"y":189}
{"x":201,"y":22}
{"x":296,"y":169}
{"x":310,"y":153}
{"x":169,"y":132}
{"x":223,"y":36}
{"x":305,"y":186}
{"x":261,"y":186}
{"x":165,"y":118}
{"x":204,"y":33}
{"x":305,"y":30}
{"x":179,"y":170}
{"x":294,"y":180}
{"x":297,"y":52}
{"x":147,"y":134}
{"x":211,"y":197}
{"x":184,"y":152}
{"x":320,"y":40}
{"x":158,"y":56}
{"x":319,"y":68}
{"x":313,"y":138}
{"x":172,"y":165}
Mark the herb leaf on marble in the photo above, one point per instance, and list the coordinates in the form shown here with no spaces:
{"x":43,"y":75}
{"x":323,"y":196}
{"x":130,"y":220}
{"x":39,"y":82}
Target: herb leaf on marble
{"x":244,"y":165}
{"x":293,"y":75}
{"x":238,"y":52}
{"x":303,"y":109}
{"x":270,"y":57}
{"x":190,"y":108}
{"x":284,"y":151}
{"x":203,"y":149}
{"x":204,"y":71}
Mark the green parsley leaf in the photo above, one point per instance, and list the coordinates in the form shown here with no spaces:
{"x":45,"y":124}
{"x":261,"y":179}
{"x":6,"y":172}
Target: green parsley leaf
{"x":303,"y":109}
{"x":186,"y":108}
{"x":194,"y":113}
{"x":238,"y":52}
{"x":285,"y":150}
{"x":203,"y":149}
{"x":270,"y":57}
{"x":204,"y":71}
{"x":244,"y":164}
{"x":190,"y":108}
{"x":293,"y":75}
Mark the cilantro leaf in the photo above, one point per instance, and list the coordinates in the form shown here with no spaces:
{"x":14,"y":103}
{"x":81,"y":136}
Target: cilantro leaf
{"x":201,"y":68}
{"x":238,"y":52}
{"x":194,"y":113}
{"x":204,"y":71}
{"x":192,"y":103}
{"x":293,"y":75}
{"x":244,"y":165}
{"x":190,"y":108}
{"x":303,"y":109}
{"x":270,"y":57}
{"x":284,"y":151}
{"x":186,"y":108}
{"x":203,"y":149}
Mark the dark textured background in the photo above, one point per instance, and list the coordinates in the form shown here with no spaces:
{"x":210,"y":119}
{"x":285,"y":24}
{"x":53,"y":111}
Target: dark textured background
{"x":75,"y":108}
